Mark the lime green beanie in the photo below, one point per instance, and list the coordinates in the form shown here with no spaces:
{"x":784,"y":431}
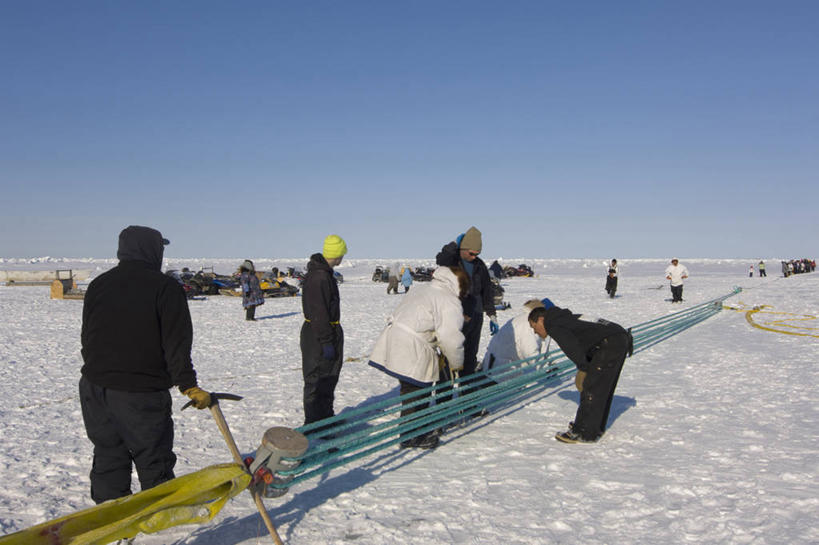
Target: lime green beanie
{"x":334,"y":246}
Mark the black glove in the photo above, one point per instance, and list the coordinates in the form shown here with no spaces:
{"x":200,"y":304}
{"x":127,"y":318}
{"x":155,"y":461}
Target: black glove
{"x":328,"y":351}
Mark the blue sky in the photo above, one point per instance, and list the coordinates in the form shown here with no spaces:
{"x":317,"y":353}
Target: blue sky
{"x":560,"y":129}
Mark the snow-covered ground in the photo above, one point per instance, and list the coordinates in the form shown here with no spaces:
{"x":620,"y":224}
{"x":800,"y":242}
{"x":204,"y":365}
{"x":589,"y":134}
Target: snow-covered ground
{"x":713,"y":436}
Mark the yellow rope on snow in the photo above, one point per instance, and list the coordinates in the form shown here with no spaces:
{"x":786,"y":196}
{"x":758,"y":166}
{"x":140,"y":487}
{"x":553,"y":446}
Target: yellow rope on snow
{"x":781,"y":323}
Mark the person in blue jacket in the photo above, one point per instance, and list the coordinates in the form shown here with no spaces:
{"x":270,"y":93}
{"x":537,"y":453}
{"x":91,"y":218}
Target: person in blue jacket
{"x":406,"y":279}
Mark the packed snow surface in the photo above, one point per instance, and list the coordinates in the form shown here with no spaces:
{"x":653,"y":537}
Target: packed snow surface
{"x":712,"y":438}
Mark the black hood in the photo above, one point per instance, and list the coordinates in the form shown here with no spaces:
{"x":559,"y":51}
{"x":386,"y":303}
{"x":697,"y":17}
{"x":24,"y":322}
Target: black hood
{"x":319,"y":263}
{"x":137,"y":243}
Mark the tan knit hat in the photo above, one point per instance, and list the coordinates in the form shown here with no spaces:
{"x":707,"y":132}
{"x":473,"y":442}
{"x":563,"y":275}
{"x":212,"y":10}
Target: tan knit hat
{"x":472,"y":240}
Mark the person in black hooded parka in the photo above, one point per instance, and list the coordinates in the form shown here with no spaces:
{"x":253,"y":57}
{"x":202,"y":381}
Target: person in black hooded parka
{"x":321,"y":338}
{"x":598,"y":349}
{"x":136,"y":344}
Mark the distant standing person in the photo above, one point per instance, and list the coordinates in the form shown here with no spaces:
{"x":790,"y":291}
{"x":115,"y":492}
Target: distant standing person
{"x":322,"y":339}
{"x":762,"y":269}
{"x":751,"y":271}
{"x":392,"y":279}
{"x":676,"y":273}
{"x":406,"y":279}
{"x":136,"y":344}
{"x":463,"y":252}
{"x":252,"y":295}
{"x":598,"y":349}
{"x":611,"y":278}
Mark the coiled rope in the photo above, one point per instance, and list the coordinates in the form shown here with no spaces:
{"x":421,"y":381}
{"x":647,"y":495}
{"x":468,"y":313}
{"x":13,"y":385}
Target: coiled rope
{"x":363,"y":431}
{"x":793,"y":324}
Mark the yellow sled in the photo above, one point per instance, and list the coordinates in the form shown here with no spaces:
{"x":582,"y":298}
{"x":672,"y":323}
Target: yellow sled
{"x":190,"y":499}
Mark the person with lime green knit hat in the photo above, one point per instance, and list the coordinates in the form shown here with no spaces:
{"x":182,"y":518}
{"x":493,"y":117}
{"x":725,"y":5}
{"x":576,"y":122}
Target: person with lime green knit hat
{"x":322,"y":338}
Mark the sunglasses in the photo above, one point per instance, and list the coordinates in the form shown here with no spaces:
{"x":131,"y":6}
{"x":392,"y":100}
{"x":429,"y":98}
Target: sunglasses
{"x":474,"y":254}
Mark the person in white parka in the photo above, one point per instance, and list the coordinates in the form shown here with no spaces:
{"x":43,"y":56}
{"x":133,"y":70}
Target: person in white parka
{"x":676,"y":273}
{"x":515,"y":341}
{"x":427,"y":319}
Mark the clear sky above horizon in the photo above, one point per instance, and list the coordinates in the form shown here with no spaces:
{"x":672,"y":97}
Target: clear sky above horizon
{"x":560,"y":129}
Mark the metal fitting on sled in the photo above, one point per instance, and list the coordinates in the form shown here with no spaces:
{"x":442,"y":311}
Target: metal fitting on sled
{"x":277,"y":443}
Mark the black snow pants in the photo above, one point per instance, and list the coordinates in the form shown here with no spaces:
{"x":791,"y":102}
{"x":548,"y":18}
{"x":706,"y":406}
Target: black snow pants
{"x":598,"y":389}
{"x":676,"y":293}
{"x":472,"y":338}
{"x":320,"y":375}
{"x":126,"y":428}
{"x":611,"y":285}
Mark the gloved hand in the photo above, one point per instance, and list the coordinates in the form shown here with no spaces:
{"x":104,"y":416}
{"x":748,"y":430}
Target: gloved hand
{"x":328,"y":351}
{"x":493,"y":326}
{"x":579,"y":379}
{"x":200,"y":398}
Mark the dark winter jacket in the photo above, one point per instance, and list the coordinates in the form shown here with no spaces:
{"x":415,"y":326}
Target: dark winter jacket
{"x":576,"y":337}
{"x":136,"y":326}
{"x":481,"y":287}
{"x":320,"y":301}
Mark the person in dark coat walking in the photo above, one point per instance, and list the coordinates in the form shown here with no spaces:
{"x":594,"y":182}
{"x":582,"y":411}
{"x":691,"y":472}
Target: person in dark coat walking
{"x":322,"y":339}
{"x":252,"y":295}
{"x":598,"y":349}
{"x":136,"y":344}
{"x":463,"y":252}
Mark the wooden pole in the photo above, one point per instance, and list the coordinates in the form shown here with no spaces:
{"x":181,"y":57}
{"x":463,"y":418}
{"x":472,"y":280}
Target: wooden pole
{"x":221,"y":423}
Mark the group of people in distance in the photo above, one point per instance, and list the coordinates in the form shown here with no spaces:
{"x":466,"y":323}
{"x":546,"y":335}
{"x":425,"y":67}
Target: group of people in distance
{"x":398,"y":275}
{"x":137,"y":337}
{"x":798,"y":266}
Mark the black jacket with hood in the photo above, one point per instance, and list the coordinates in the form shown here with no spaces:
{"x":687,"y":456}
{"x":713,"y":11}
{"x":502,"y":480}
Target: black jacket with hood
{"x":320,"y":301}
{"x":136,"y":326}
{"x":576,"y":337}
{"x":480,"y":291}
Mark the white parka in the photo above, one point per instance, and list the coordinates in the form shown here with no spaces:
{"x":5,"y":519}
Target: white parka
{"x":676,"y":272}
{"x":428,"y":317}
{"x":514,"y":341}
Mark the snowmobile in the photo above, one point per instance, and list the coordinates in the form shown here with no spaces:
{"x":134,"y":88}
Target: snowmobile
{"x":381,"y":274}
{"x":497,"y":294}
{"x":295,"y":273}
{"x":521,"y":270}
{"x":422,"y":274}
{"x":211,"y":283}
{"x":277,"y":288}
{"x":184,"y":277}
